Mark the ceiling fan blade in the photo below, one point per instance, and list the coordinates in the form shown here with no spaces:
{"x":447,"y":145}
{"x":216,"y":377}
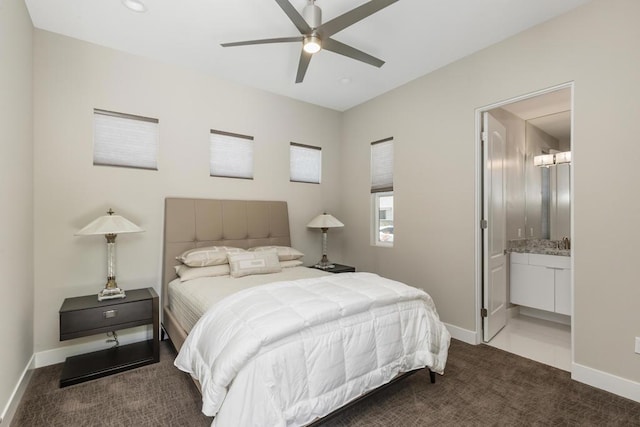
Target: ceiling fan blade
{"x":264,"y":41}
{"x":294,"y":16}
{"x":305,"y":58}
{"x":341,"y":22}
{"x":351,"y":52}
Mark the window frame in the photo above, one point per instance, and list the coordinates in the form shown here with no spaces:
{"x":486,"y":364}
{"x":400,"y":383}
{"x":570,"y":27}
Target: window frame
{"x":378,"y":191}
{"x":375,"y":235}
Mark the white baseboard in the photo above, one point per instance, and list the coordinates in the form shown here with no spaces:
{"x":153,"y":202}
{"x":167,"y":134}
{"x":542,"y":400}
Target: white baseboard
{"x":16,"y":396}
{"x":513,"y":311}
{"x":463,"y":335}
{"x":606,"y":381}
{"x":58,"y":355}
{"x":545,"y":315}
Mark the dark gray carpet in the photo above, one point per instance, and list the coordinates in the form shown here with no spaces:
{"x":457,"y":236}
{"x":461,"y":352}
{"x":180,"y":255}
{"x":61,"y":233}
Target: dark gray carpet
{"x":482,"y":386}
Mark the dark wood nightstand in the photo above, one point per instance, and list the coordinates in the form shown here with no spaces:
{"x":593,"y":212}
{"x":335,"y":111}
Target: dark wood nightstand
{"x":339,"y":268}
{"x":84,"y":316}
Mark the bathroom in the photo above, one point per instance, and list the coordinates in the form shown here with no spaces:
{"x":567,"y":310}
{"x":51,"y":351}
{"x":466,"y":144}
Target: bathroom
{"x":537,"y":221}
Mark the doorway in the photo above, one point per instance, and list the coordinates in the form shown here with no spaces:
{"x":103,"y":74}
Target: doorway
{"x":524,"y":194}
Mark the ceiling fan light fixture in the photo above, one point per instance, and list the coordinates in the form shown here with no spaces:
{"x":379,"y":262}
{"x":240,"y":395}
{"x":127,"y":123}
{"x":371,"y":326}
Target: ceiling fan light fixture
{"x":135,"y":5}
{"x":312,"y":44}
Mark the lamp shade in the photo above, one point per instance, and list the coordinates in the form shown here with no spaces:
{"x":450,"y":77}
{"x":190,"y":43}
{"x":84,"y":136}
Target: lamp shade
{"x":325,"y":221}
{"x":109,"y":224}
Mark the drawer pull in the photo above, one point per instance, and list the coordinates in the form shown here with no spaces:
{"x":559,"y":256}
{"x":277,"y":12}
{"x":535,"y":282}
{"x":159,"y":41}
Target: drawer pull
{"x":109,"y":314}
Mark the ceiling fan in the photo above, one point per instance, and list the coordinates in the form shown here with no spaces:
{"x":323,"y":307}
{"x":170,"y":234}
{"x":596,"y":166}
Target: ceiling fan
{"x":316,"y":36}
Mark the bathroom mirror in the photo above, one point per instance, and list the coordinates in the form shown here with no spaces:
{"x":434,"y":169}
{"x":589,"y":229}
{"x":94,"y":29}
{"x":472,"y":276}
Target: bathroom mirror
{"x":547,"y":189}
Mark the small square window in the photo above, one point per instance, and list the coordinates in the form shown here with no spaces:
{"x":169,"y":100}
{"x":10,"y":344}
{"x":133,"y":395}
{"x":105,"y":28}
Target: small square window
{"x":124,"y":140}
{"x":231,"y":155}
{"x":306,"y":163}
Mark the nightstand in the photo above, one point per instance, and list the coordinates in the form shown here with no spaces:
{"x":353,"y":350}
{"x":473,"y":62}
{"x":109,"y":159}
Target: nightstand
{"x":339,"y":268}
{"x":84,"y":316}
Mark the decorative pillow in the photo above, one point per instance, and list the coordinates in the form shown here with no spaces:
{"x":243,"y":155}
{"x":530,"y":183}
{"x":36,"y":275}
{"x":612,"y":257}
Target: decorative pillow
{"x":285,"y":253}
{"x":289,"y":264}
{"x":261,"y":262}
{"x":210,"y":255}
{"x":189,"y":273}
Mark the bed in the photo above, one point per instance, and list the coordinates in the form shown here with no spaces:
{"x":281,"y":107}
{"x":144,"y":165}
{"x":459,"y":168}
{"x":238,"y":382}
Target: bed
{"x":290,"y":347}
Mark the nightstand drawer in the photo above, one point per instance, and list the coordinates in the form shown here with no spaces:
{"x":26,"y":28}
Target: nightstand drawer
{"x":94,"y":320}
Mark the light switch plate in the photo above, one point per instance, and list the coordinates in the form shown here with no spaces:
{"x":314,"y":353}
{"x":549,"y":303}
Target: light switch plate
{"x":638,"y":345}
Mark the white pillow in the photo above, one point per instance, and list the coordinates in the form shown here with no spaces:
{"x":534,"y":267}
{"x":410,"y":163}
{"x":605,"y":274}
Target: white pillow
{"x":210,"y":255}
{"x":261,"y":262}
{"x":289,"y":264}
{"x":285,"y":253}
{"x":189,"y":273}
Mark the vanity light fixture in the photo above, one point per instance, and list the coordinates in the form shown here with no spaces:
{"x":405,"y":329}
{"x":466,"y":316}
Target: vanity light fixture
{"x":110,"y":226}
{"x":135,"y":5}
{"x":546,"y":160}
{"x":324,"y":222}
{"x":564,"y":157}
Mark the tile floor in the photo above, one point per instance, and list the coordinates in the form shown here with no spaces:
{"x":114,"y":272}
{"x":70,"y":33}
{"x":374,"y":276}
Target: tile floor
{"x":540,"y":340}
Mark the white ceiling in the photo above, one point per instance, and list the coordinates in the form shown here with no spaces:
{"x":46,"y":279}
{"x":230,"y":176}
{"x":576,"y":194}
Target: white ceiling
{"x":414,"y":37}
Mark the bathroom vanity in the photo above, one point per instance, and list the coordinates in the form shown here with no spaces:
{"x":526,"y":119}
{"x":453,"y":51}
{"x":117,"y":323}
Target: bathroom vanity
{"x":541,"y":281}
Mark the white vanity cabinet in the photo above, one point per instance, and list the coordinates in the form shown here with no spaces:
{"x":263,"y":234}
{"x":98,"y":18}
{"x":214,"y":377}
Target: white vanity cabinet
{"x":541,"y":281}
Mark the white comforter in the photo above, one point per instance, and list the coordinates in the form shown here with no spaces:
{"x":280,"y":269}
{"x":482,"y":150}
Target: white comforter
{"x":287,"y":353}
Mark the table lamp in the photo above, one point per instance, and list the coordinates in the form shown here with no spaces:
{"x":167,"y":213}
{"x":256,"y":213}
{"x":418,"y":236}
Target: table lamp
{"x":110,"y":226}
{"x":324,"y":222}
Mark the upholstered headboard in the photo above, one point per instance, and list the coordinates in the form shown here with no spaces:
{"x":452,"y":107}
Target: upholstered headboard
{"x":192,"y":223}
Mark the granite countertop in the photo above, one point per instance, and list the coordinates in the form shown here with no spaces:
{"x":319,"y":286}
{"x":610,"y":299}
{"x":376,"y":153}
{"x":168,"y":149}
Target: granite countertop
{"x":538,"y":246}
{"x":544,"y":251}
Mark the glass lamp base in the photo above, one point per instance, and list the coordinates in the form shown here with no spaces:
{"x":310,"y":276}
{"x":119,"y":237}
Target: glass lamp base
{"x":112,"y":293}
{"x":324,"y":263}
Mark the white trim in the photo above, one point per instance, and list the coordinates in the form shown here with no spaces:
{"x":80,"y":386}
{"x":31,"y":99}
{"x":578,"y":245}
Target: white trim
{"x":546,"y":315}
{"x":464,"y":335}
{"x":477,"y":227}
{"x":513,"y":311}
{"x":478,"y":198}
{"x":58,"y":355}
{"x":605,"y":381}
{"x":16,"y":396}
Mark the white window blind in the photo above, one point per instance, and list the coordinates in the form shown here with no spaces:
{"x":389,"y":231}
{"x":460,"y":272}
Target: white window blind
{"x":382,"y":165}
{"x":306,"y":163}
{"x":124,"y":140}
{"x":231,"y":155}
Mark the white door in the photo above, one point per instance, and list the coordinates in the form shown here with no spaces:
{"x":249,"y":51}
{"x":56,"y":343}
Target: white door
{"x":494,"y":225}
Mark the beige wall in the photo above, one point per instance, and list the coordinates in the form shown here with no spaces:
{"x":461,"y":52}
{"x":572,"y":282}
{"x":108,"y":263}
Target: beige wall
{"x":16,"y":194}
{"x":73,"y":77}
{"x":433,"y":121}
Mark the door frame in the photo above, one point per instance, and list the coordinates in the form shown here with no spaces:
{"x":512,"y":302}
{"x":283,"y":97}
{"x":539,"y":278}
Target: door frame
{"x":479,"y":201}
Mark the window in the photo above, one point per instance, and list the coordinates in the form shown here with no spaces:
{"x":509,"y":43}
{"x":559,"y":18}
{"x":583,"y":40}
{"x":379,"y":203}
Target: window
{"x":124,"y":140}
{"x":306,"y":163}
{"x":382,"y":191}
{"x":231,"y":155}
